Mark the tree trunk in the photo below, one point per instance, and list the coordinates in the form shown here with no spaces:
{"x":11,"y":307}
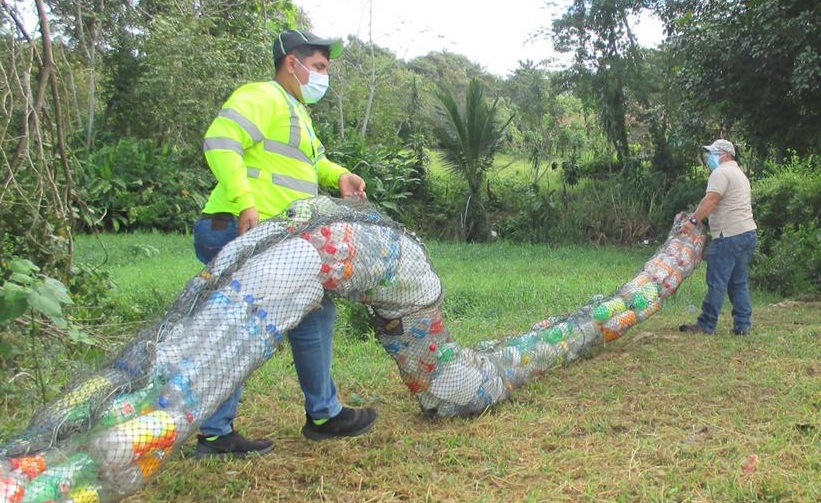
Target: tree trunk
{"x":372,"y":81}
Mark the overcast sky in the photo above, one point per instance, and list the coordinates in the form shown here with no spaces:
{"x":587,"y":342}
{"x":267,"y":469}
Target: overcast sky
{"x":495,"y":34}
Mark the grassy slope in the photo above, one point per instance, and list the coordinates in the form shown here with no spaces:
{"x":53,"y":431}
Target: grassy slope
{"x":656,"y":416}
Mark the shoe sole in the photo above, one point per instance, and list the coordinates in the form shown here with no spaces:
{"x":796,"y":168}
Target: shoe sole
{"x":316,"y":435}
{"x":231,"y":455}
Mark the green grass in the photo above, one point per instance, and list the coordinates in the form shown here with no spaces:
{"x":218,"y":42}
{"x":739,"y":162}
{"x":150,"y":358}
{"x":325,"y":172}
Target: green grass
{"x":148,"y":269}
{"x":656,"y":416}
{"x":506,"y":168}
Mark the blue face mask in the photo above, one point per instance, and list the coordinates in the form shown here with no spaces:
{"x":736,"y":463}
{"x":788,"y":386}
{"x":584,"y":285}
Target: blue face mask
{"x":316,"y":87}
{"x":711,"y":160}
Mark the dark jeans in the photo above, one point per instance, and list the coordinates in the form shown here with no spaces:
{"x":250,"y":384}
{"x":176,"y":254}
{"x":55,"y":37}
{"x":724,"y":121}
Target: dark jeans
{"x":728,"y":261}
{"x":212,"y":234}
{"x":311,"y":341}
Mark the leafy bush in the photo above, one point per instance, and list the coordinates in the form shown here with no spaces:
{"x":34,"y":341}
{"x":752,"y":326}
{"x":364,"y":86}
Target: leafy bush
{"x":792,"y":267}
{"x":43,"y":237}
{"x":392,"y":176}
{"x":353,"y":321}
{"x":90,"y":288}
{"x":787,"y":209}
{"x":133,"y":184}
{"x":523,"y":214}
{"x":788,"y":197}
{"x":35,"y":330}
{"x":437,"y":217}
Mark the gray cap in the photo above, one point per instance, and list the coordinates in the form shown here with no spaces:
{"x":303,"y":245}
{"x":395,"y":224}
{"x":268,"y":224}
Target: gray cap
{"x":289,"y":40}
{"x":721,"y":146}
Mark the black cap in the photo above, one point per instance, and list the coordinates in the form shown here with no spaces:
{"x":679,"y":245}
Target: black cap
{"x":289,"y":40}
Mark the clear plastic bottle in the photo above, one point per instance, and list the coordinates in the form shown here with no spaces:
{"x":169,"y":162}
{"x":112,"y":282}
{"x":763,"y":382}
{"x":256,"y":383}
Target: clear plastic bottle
{"x":89,"y":493}
{"x":121,"y":445}
{"x":12,"y":489}
{"x":132,"y":478}
{"x":13,"y":467}
{"x":128,"y":406}
{"x":72,"y":411}
{"x":57,"y":481}
{"x":448,"y":352}
{"x":177,"y":393}
{"x":30,"y":466}
{"x":556,"y":333}
{"x":609,"y":308}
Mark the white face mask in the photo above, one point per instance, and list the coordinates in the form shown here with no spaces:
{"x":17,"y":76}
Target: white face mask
{"x":316,"y":87}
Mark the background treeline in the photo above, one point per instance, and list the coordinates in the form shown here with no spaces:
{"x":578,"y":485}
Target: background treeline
{"x":105,"y":104}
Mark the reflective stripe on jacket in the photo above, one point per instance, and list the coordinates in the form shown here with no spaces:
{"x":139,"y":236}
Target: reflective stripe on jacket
{"x":263,"y":151}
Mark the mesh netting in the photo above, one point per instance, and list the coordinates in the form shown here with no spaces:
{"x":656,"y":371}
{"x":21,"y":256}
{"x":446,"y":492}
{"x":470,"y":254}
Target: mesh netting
{"x":110,"y":432}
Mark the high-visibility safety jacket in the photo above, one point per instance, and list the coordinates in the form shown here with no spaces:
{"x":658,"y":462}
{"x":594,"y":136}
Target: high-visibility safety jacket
{"x":264,"y":153}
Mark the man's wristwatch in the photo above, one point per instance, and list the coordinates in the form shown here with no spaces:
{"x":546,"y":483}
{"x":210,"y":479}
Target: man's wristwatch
{"x":693,"y":221}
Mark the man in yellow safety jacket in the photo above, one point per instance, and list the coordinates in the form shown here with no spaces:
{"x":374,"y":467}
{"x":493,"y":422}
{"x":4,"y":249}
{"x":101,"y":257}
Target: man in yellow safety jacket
{"x":264,"y":154}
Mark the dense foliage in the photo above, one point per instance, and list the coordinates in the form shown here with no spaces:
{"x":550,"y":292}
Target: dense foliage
{"x":787,"y":208}
{"x":753,"y":68}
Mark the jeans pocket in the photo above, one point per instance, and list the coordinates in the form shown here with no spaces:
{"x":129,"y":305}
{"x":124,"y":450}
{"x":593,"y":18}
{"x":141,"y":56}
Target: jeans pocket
{"x":209,"y":241}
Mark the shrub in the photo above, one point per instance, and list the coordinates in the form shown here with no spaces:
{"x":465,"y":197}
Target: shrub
{"x":133,"y":184}
{"x":787,"y":198}
{"x":35,"y":329}
{"x":392,"y":176}
{"x":787,"y":210}
{"x":523,"y":214}
{"x":792,"y":266}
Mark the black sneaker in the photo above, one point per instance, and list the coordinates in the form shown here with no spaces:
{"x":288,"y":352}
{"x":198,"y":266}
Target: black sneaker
{"x":232,"y":445}
{"x":693,"y":329}
{"x":348,"y":423}
{"x":741,"y":332}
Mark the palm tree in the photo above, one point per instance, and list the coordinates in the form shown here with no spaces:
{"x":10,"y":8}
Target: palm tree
{"x":469,"y":139}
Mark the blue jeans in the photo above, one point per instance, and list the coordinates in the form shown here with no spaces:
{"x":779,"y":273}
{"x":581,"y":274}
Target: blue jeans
{"x":311,"y":342}
{"x":728,"y":261}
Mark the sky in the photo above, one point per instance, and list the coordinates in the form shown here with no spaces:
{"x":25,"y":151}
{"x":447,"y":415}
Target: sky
{"x":496,"y":38}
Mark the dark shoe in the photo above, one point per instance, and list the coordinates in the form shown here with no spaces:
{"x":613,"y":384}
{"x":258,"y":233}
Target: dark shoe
{"x":348,"y":423}
{"x":741,"y":332}
{"x":232,"y":445}
{"x":693,"y":329}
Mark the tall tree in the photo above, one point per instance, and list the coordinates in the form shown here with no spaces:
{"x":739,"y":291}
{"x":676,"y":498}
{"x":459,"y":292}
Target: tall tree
{"x":528,"y":90}
{"x":470,"y":136}
{"x":371,"y":90}
{"x":607,"y":69}
{"x":751,"y":69}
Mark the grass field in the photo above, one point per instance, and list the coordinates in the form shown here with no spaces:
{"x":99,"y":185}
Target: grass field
{"x":656,"y":416}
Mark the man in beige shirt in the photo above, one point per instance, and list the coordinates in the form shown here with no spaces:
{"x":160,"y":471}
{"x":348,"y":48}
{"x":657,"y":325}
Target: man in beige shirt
{"x":728,"y":204}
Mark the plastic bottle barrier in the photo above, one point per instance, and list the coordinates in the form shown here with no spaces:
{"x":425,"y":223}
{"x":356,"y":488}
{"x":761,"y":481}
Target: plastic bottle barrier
{"x":108,"y":434}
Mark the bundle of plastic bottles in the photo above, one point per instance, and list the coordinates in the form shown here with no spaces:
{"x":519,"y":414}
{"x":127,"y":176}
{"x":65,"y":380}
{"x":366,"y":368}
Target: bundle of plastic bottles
{"x":111,"y":431}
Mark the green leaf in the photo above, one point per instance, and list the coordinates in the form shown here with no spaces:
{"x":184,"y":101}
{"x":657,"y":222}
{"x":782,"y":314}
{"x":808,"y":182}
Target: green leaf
{"x":11,"y":308}
{"x":78,"y":336}
{"x":21,"y":278}
{"x":58,"y":290}
{"x":14,"y":291}
{"x":23,"y":266}
{"x":5,"y":349}
{"x":46,"y":304}
{"x":59,"y":322}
